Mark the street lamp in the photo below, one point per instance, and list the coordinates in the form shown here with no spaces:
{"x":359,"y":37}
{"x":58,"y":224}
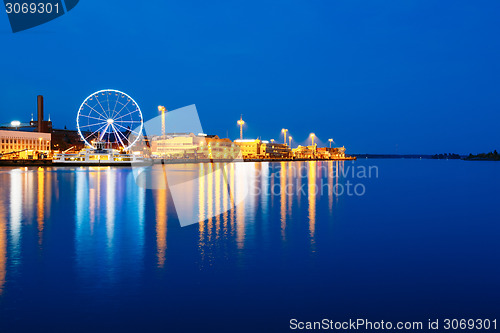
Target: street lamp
{"x":290,"y":138}
{"x":240,"y":124}
{"x":312,"y":138}
{"x":284,"y":130}
{"x":331,"y":140}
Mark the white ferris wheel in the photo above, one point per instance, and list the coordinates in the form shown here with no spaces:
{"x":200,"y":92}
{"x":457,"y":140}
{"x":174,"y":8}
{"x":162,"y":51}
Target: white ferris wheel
{"x":111,"y":117}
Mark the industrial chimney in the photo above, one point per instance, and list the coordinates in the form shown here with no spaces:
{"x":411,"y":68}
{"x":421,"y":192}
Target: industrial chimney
{"x":40,"y":113}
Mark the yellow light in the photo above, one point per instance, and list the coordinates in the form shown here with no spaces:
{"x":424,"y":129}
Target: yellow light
{"x":161,"y":108}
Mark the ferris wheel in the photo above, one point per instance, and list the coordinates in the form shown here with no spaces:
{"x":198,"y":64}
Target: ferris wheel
{"x":112,"y":117}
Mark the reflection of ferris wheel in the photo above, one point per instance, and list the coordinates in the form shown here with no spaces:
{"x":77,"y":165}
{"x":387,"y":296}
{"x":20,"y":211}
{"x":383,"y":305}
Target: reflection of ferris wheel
{"x":110,"y":116}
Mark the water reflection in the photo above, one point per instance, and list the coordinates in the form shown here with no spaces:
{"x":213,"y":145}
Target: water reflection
{"x":312,"y":191}
{"x":109,"y":229}
{"x":3,"y":244}
{"x":16,"y":211}
{"x":283,"y":197}
{"x":161,"y":225}
{"x":103,"y":215}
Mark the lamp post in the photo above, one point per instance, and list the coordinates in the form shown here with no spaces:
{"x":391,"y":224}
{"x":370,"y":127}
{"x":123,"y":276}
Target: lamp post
{"x":331,"y":140}
{"x":312,"y":138}
{"x":290,"y":138}
{"x":240,"y":124}
{"x":162,"y":109}
{"x":284,"y":130}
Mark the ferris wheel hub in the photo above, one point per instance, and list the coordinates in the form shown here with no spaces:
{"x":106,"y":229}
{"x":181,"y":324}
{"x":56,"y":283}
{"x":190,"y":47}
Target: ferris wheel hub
{"x":110,"y":121}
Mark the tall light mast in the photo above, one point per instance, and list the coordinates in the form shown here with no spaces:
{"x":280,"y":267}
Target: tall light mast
{"x":312,"y":138}
{"x":162,"y":109}
{"x":240,"y":124}
{"x":284,"y":130}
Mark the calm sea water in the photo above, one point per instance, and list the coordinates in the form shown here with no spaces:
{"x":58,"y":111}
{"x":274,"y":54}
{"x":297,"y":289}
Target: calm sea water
{"x":88,"y":250}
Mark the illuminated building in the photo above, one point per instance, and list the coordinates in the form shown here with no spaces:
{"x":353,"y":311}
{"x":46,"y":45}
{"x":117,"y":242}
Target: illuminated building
{"x":308,"y":152}
{"x":274,"y":150}
{"x":61,"y":139}
{"x":249,"y":148}
{"x":27,"y":145}
{"x":191,"y":146}
{"x":216,"y":148}
{"x":331,"y":153}
{"x":176,"y":145}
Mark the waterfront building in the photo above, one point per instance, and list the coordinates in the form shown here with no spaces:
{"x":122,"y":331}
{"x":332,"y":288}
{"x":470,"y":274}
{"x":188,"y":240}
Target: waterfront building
{"x":191,"y":146}
{"x":60,"y":139}
{"x":274,"y":150}
{"x":216,"y":148}
{"x":249,"y":148}
{"x":331,"y":153}
{"x":308,"y":152}
{"x":21,"y":144}
{"x":176,"y":145}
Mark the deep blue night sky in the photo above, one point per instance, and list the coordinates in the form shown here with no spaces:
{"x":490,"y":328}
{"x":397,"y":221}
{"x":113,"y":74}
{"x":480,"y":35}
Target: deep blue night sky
{"x":376,"y":76}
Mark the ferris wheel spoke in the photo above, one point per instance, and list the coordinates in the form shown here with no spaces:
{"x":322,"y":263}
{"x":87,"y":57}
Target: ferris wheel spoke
{"x":98,"y":101}
{"x":123,"y":135}
{"x":104,"y":132}
{"x":97,"y":130}
{"x":103,"y":117}
{"x":116,"y":105}
{"x":96,"y":124}
{"x":117,"y":133}
{"x":128,"y":129}
{"x":123,"y":107}
{"x":107,"y":98}
{"x":100,"y":114}
{"x":136,"y":110}
{"x":100,"y":119}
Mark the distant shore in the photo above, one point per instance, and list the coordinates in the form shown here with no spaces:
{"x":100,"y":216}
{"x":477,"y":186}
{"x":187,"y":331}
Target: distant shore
{"x":417,"y":156}
{"x":491,"y":156}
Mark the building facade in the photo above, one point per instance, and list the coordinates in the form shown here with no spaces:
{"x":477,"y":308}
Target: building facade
{"x":274,"y":150}
{"x":182,"y":145}
{"x":191,"y":146}
{"x":331,"y":153}
{"x":307,"y":152}
{"x":216,"y":148}
{"x":249,"y":148}
{"x":20,"y":144}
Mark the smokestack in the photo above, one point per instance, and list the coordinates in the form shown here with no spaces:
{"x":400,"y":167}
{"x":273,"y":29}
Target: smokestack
{"x":40,"y":113}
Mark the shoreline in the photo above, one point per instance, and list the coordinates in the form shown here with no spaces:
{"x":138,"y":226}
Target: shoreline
{"x":48,"y":163}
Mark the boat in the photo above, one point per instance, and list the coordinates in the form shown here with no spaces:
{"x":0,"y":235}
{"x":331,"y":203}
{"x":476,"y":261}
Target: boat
{"x":99,"y":156}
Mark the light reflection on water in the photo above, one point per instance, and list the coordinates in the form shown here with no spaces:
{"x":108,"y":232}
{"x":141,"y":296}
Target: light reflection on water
{"x":111,"y":209}
{"x":93,"y":234}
